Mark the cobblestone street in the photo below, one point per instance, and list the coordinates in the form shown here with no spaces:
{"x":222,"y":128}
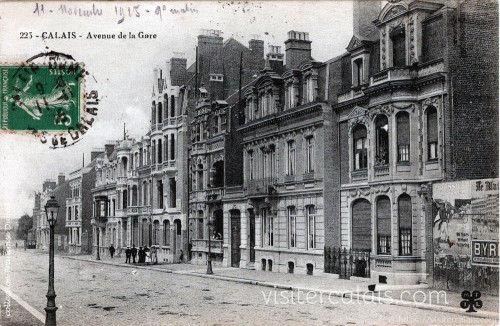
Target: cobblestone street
{"x":92,"y":294}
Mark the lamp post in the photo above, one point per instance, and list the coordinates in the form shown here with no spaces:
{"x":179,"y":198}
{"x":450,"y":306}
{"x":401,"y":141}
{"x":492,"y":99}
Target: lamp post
{"x":51,"y":209}
{"x":209,"y":258}
{"x":98,"y":229}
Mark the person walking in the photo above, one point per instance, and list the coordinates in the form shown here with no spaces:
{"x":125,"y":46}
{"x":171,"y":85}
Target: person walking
{"x":147,"y":253}
{"x":128,"y":253}
{"x":133,"y":252}
{"x":111,"y":251}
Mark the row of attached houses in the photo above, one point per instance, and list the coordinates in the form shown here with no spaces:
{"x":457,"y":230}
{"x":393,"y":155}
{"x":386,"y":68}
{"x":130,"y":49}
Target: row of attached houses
{"x":287,"y":164}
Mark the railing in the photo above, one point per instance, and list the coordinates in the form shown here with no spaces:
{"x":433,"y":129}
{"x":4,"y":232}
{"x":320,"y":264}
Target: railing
{"x":133,"y":210}
{"x":391,"y":74}
{"x":359,"y":175}
{"x":264,"y":186}
{"x":347,"y":263}
{"x":381,"y":170}
{"x":201,"y":245}
{"x":349,"y":95}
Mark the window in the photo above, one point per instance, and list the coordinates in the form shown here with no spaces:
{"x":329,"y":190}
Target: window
{"x":160,"y":113}
{"x":172,"y":106}
{"x":166,"y":233}
{"x":156,"y":232}
{"x":267,"y":228}
{"x":102,"y":210}
{"x":153,"y":113}
{"x":310,"y":154}
{"x":160,"y":193}
{"x":200,"y":224}
{"x":404,"y":221}
{"x":200,"y":183}
{"x":432,"y":134}
{"x":69,"y":213}
{"x":290,"y":95}
{"x":125,"y":198}
{"x":310,"y":90}
{"x":76,"y":213}
{"x":382,"y":134}
{"x":172,"y":147}
{"x":159,"y":150}
{"x":398,"y":40}
{"x":360,"y":148}
{"x":384,"y":225}
{"x":265,"y":164}
{"x":272,"y":164}
{"x":357,"y":72}
{"x":250,"y":166}
{"x":311,"y":227}
{"x":173,"y":192}
{"x":114,"y":207}
{"x":292,"y":227}
{"x":290,"y":157}
{"x":403,"y":129}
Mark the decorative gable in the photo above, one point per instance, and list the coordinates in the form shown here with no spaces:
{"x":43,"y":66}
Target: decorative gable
{"x":354,"y":43}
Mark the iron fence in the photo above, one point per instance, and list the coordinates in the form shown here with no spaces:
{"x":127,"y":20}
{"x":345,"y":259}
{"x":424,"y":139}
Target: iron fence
{"x":347,"y":263}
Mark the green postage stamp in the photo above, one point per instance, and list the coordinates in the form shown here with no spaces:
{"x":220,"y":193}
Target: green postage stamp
{"x":41,"y":97}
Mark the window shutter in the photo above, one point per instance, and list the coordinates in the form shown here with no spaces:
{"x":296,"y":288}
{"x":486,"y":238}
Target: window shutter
{"x":404,"y":212}
{"x":403,"y":121}
{"x":383,"y":216}
{"x":432,"y":131}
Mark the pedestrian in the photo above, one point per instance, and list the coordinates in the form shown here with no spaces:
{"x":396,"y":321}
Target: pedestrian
{"x":16,"y":244}
{"x":181,"y":256}
{"x":128,"y":253}
{"x":147,"y":254}
{"x":140,"y":254}
{"x":111,"y":250}
{"x":133,"y":252}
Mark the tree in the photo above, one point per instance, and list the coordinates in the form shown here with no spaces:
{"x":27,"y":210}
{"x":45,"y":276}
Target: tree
{"x":24,"y":225}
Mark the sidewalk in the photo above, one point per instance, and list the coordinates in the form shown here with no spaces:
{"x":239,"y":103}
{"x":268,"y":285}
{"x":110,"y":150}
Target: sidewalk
{"x":13,"y":314}
{"x":327,"y":284}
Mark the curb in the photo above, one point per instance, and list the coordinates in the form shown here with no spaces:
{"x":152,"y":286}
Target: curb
{"x":345,"y":294}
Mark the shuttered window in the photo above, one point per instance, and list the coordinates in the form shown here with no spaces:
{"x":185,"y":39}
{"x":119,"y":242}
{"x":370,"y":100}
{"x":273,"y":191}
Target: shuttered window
{"x":403,"y":134}
{"x":404,"y":221}
{"x":384,"y":225}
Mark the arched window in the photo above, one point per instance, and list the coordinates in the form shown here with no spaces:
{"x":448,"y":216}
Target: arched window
{"x":383,"y":225}
{"x":360,"y":153}
{"x":361,"y":225}
{"x":160,"y":112}
{"x":166,"y":233}
{"x":403,"y":128}
{"x":404,"y":221}
{"x":382,"y":134}
{"x":432,"y":134}
{"x":165,"y":106}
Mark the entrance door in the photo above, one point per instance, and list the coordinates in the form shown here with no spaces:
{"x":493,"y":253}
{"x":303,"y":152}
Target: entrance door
{"x":235,"y":238}
{"x":252,"y":236}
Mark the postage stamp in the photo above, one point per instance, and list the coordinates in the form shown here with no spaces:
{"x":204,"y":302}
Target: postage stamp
{"x":43,"y":97}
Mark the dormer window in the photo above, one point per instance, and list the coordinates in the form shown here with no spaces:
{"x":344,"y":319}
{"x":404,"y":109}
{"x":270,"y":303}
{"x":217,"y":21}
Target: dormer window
{"x":357,"y":72}
{"x":309,"y":90}
{"x":290,"y":96}
{"x":398,"y":40}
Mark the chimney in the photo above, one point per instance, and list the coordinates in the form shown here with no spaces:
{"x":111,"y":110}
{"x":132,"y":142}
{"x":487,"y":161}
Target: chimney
{"x":275,"y":58}
{"x":49,"y":185}
{"x":37,"y":201}
{"x":364,"y":13}
{"x":256,"y":47}
{"x":108,"y":148}
{"x":95,"y":152}
{"x":209,"y":56}
{"x":60,"y":179}
{"x":178,"y":68}
{"x":298,"y":49}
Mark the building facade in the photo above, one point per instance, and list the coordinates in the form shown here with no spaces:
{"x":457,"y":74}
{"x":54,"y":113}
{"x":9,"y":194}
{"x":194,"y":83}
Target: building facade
{"x":394,"y":99}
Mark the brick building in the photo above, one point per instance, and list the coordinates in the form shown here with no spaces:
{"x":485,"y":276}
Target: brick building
{"x":408,"y":100}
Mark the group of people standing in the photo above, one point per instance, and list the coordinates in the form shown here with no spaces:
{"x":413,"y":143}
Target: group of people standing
{"x":146,"y":255}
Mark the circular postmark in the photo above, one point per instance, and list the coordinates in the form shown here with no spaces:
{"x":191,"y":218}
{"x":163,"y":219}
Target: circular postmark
{"x":46,"y":96}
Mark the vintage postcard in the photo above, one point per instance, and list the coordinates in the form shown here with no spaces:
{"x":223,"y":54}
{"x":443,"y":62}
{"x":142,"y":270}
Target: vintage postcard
{"x":249,"y":163}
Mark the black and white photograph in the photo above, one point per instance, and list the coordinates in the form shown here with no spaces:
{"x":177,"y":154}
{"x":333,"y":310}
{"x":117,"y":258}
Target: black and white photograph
{"x":249,"y":162}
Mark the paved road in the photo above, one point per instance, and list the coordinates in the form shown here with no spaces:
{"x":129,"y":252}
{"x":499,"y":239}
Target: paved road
{"x":95,"y":294}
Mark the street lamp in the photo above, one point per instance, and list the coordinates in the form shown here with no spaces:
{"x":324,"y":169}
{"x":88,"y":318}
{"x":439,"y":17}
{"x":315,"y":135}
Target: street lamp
{"x":51,"y":209}
{"x":209,"y":258}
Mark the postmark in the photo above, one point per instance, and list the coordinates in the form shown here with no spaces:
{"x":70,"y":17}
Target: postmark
{"x":46,"y":96}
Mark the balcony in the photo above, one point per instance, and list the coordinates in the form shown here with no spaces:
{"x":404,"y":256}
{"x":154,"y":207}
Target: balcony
{"x":73,"y":223}
{"x":392,"y":74}
{"x":121,"y":180}
{"x":214,"y":194}
{"x":202,"y":246}
{"x":359,"y":175}
{"x":381,"y":170}
{"x":352,"y":94}
{"x":260,"y":187}
{"x":133,"y":210}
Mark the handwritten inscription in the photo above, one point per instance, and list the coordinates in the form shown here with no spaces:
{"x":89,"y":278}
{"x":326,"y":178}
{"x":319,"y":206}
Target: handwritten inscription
{"x":120,"y":12}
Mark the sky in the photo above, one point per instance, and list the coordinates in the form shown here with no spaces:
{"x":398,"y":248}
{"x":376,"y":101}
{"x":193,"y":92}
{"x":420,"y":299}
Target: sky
{"x":122,"y":70}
